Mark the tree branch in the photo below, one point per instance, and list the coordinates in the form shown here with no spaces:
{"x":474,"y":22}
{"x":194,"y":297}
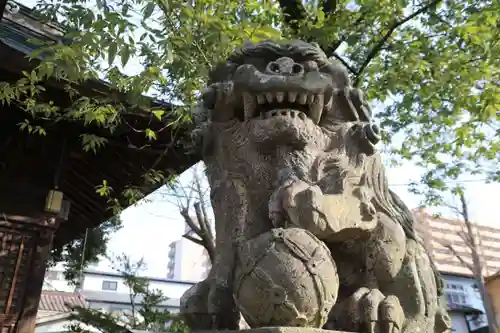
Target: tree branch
{"x":206,"y":234}
{"x":376,"y":49}
{"x":190,"y":222}
{"x":346,"y":65}
{"x":194,"y":240}
{"x":200,"y":223}
{"x":459,"y":257}
{"x":201,"y":210}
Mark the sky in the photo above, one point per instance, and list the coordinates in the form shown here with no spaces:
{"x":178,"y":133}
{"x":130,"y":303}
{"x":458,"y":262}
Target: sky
{"x":150,"y":226}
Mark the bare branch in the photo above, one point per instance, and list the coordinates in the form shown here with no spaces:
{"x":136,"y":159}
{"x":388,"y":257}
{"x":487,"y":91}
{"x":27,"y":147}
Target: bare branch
{"x":465,"y":208}
{"x":194,"y":240}
{"x":454,"y":209}
{"x":206,"y":233}
{"x":190,"y":222}
{"x":346,"y":65}
{"x":203,"y":215}
{"x":191,"y":199}
{"x":376,"y":49}
{"x":466,"y":237}
{"x":200,"y":218}
{"x":459,"y":257}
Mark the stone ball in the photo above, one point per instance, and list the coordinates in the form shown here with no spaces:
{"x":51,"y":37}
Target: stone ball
{"x":285,"y":277}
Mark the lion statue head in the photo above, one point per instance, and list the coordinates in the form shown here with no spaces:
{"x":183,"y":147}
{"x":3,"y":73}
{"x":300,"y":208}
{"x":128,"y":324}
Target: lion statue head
{"x":276,"y":108}
{"x":275,"y":98}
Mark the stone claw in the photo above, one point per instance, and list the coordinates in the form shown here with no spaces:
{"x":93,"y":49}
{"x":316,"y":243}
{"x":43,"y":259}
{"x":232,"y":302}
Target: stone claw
{"x":281,"y":198}
{"x":376,"y":312}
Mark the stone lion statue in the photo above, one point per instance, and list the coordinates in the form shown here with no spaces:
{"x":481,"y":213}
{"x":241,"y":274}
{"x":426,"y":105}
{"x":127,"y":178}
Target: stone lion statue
{"x":289,"y":145}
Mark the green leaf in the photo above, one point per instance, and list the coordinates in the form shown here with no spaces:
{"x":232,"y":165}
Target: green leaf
{"x":148,"y":10}
{"x":125,"y":55}
{"x":150,"y":134}
{"x":113,"y":49}
{"x":158,"y":114}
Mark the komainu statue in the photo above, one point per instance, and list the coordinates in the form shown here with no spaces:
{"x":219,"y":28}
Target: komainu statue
{"x":308,"y":232}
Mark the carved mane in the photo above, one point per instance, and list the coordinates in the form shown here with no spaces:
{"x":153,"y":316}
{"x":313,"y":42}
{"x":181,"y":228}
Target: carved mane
{"x":389,"y":203}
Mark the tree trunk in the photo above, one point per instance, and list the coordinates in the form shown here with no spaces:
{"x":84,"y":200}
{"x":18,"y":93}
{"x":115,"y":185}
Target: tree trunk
{"x":477,"y":266}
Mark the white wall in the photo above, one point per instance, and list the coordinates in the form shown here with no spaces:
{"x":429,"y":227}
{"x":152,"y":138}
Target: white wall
{"x":107,"y":307}
{"x":94,"y":281}
{"x":170,"y":289}
{"x":54,"y":280}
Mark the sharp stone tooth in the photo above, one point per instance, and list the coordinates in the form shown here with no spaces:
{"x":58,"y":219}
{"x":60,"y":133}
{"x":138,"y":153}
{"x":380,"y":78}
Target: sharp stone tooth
{"x":303,"y":98}
{"x":292,"y":96}
{"x":249,"y":105}
{"x":280,"y":96}
{"x":316,"y":108}
{"x":269,"y":97}
{"x":261,"y":99}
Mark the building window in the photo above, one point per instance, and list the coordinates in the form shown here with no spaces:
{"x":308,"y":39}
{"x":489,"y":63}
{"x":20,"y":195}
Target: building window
{"x":109,"y":285}
{"x":456,"y":294}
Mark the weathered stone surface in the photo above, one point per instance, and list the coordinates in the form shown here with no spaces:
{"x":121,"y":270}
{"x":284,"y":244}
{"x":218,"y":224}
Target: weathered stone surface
{"x":278,"y":329}
{"x":289,"y":147}
{"x":287,"y":277}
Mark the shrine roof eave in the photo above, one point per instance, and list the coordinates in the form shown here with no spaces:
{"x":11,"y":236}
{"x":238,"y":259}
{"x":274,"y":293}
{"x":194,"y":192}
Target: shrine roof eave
{"x":122,"y":162}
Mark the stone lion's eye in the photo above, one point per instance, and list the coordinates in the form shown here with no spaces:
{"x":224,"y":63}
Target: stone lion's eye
{"x":310,"y":65}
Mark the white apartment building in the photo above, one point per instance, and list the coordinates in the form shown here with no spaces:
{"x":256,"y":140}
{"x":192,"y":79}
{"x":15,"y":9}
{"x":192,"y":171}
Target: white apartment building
{"x":187,"y":261}
{"x":107,"y":291}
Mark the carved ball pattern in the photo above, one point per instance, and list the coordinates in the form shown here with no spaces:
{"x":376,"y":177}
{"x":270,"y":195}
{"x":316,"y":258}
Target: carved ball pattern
{"x":286,"y":277}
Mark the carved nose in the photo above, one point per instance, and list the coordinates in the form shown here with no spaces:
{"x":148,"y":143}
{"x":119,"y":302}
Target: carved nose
{"x":284,"y":66}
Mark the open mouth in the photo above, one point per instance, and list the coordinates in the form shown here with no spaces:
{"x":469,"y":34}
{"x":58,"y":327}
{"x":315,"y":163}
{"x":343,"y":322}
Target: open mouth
{"x":272,"y":104}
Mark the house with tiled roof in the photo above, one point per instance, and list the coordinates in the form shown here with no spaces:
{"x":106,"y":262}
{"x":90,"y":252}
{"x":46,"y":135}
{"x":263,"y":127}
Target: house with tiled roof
{"x":54,"y":310}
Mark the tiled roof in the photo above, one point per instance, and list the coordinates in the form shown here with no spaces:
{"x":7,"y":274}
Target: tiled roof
{"x":58,"y":301}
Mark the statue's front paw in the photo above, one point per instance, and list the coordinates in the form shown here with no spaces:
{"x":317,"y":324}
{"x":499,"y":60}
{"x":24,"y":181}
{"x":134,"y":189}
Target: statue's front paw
{"x":281,"y":204}
{"x":305,"y":209}
{"x":375,"y":312}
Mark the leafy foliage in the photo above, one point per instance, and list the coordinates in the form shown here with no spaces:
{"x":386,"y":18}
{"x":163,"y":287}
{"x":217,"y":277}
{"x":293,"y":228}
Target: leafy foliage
{"x":80,"y":253}
{"x":145,"y":313}
{"x":433,"y":65}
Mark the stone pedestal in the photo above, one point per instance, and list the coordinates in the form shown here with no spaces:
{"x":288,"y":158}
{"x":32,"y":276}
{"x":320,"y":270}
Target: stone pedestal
{"x":275,"y":330}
